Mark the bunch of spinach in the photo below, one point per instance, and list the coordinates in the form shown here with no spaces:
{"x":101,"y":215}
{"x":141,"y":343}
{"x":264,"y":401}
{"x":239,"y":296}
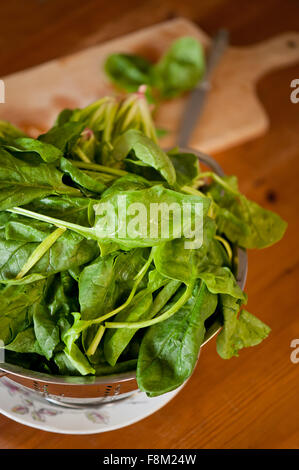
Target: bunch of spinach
{"x":178,"y":70}
{"x":75,"y":301}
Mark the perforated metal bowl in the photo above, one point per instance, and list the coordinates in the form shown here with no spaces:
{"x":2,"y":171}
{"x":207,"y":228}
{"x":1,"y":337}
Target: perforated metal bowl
{"x":83,"y":392}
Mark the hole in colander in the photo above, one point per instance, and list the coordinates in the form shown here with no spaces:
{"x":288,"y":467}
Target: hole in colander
{"x":107,"y":390}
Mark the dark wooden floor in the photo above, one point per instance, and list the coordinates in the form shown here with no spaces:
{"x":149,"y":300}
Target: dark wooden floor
{"x":251,"y":401}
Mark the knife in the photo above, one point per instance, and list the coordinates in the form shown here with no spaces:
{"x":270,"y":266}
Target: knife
{"x":195,"y":103}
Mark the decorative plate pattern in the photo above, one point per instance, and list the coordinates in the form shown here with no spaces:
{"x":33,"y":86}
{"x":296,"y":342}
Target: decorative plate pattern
{"x":23,"y":406}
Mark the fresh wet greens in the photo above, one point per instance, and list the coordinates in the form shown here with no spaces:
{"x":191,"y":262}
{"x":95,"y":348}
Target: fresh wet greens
{"x":80,"y":295}
{"x":169,"y":349}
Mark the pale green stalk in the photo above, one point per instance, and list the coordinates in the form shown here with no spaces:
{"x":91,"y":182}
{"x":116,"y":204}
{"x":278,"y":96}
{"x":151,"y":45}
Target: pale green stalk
{"x":82,"y":155}
{"x":171,"y":311}
{"x":39,"y":252}
{"x":88,"y":232}
{"x":100,"y":168}
{"x":96,"y":341}
{"x":226,"y":246}
{"x":138,"y":278}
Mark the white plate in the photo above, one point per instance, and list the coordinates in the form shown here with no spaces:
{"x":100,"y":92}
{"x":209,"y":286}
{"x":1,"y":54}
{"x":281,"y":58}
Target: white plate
{"x":22,"y":406}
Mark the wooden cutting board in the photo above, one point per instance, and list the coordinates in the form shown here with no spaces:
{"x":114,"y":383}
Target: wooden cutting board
{"x":232,"y":114}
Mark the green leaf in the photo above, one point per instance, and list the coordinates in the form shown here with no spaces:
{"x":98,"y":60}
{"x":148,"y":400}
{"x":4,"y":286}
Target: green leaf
{"x":238,"y":332}
{"x":128,"y":71}
{"x":21,"y":182}
{"x":64,"y":136}
{"x":186,"y":166}
{"x":146,"y":229}
{"x":175,"y":261}
{"x":47,"y":152}
{"x":80,"y":177}
{"x":25,"y":342}
{"x":8,"y":133}
{"x":46,"y":330}
{"x":169,"y":350}
{"x":97,"y":288}
{"x":243,"y":221}
{"x":70,"y":209}
{"x":69,"y":251}
{"x":21,"y":230}
{"x":117,"y":340}
{"x":145,"y":150}
{"x":180,"y":69}
{"x":78,"y":360}
{"x":220,"y":280}
{"x":64,"y":365}
{"x":16,"y":314}
{"x":61,"y":296}
{"x":119,"y":368}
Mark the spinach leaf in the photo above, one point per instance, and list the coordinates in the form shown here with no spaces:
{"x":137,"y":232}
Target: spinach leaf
{"x":78,"y":360}
{"x":220,"y":280}
{"x":43,"y":151}
{"x":265,"y":227}
{"x":46,"y":330}
{"x":82,"y":179}
{"x":128,"y":71}
{"x":238,"y":332}
{"x":117,"y":340}
{"x":72,"y":351}
{"x":97,"y":288}
{"x":25,"y":342}
{"x":145,"y":229}
{"x":77,"y":210}
{"x":18,"y":229}
{"x":144,"y":235}
{"x":119,"y":368}
{"x":244,"y":221}
{"x":21,"y":182}
{"x":126,"y":183}
{"x":16,"y":313}
{"x":174,"y":260}
{"x":180,"y":69}
{"x":186,"y":167}
{"x":169,"y":350}
{"x":8,"y":133}
{"x":69,"y":251}
{"x":65,"y":366}
{"x":64,"y":136}
{"x":61,"y":296}
{"x":146,"y":151}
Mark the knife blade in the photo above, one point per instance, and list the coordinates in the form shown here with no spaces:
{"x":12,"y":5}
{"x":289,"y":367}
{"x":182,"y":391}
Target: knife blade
{"x":195,"y":103}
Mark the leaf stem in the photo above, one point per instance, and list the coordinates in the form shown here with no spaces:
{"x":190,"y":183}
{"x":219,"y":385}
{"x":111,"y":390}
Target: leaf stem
{"x":226,"y":246}
{"x":99,"y":168}
{"x":88,"y":232}
{"x":82,"y":154}
{"x":96,"y":341}
{"x":138,"y":278}
{"x":39,"y":252}
{"x":193,"y":191}
{"x":171,"y":311}
{"x":219,"y":180}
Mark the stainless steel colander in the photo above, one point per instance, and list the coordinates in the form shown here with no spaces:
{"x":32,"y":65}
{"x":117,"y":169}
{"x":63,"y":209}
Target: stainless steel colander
{"x":85,"y":392}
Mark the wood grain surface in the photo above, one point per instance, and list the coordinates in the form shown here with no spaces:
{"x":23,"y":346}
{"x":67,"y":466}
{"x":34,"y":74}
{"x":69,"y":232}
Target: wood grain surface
{"x":250,"y":401}
{"x":34,"y":97}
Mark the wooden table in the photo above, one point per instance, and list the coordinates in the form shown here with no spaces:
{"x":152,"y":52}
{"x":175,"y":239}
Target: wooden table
{"x":252,"y":401}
